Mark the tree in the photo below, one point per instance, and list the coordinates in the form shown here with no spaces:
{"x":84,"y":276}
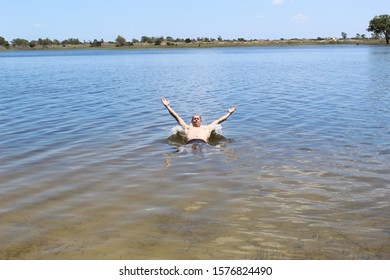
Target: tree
{"x":120,"y":41}
{"x":33,"y":44}
{"x":95,"y":43}
{"x":71,"y":41}
{"x":3,"y":42}
{"x":18,"y":42}
{"x":344,"y":35}
{"x":146,"y":39}
{"x":44,"y":42}
{"x":380,"y":25}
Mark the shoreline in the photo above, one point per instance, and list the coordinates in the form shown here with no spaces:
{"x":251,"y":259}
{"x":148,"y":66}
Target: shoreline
{"x":215,"y":44}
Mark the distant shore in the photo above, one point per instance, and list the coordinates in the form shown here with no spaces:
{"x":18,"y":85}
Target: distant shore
{"x":213,"y":44}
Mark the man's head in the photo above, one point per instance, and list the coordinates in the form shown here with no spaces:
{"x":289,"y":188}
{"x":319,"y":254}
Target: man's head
{"x":196,"y":121}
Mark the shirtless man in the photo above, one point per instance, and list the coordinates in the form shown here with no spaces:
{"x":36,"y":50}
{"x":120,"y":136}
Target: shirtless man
{"x":196,"y":133}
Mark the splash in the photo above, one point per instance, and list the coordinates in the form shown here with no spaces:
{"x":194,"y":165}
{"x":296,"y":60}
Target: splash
{"x":216,"y":137}
{"x":177,"y":136}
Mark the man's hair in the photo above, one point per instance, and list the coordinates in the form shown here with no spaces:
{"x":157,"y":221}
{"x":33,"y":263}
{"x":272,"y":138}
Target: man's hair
{"x":196,"y":116}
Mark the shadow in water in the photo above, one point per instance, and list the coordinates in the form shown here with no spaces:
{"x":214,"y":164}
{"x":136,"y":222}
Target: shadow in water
{"x":217,"y":145}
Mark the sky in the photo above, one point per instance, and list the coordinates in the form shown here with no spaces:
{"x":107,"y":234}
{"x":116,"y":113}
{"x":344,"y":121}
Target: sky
{"x":231,"y":19}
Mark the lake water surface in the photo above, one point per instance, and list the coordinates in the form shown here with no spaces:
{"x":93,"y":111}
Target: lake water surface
{"x":88,"y":169}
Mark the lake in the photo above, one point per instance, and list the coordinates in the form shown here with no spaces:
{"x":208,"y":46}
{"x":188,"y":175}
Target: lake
{"x":89,"y":168}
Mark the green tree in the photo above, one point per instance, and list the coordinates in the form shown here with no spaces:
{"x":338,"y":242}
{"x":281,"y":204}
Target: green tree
{"x":120,"y":41}
{"x":95,"y":43}
{"x":149,"y":40}
{"x":144,"y":39}
{"x":344,"y":35}
{"x":380,"y":25}
{"x":33,"y":44}
{"x":3,"y":42}
{"x":44,"y":42}
{"x":71,"y":41}
{"x":158,"y":41}
{"x":20,"y":42}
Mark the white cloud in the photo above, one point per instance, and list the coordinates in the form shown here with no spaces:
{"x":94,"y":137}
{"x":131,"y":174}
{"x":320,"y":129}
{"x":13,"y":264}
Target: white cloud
{"x":300,"y":18}
{"x":277,"y":2}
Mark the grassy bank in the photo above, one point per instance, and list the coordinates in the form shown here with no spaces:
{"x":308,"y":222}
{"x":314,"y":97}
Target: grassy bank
{"x":214,"y":44}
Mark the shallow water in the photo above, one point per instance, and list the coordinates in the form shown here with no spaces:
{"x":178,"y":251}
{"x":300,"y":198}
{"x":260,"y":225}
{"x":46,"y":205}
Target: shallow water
{"x":88,"y":169}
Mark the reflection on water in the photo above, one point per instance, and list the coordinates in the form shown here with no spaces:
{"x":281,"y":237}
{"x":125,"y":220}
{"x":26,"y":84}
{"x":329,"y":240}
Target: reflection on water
{"x":91,"y":169}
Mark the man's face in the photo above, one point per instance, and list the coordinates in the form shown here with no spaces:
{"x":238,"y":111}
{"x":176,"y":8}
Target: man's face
{"x":196,"y":121}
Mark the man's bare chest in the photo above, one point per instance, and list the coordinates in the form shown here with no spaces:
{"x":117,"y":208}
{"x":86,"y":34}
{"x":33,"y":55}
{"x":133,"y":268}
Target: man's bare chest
{"x":200,"y":132}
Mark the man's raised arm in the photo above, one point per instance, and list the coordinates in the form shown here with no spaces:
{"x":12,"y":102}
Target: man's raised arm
{"x":179,"y":120}
{"x":223,"y":118}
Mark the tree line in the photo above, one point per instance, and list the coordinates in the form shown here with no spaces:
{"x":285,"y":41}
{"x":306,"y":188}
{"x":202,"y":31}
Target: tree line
{"x":120,"y":41}
{"x":18,"y":42}
{"x":379,"y":26}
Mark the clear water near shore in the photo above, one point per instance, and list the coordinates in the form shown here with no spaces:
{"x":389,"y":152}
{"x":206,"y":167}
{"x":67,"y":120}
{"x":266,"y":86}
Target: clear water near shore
{"x":88,"y":171}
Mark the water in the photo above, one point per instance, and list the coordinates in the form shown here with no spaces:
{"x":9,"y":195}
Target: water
{"x":88,"y":170}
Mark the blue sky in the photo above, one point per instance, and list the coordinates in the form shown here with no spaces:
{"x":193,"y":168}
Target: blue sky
{"x":230,"y":19}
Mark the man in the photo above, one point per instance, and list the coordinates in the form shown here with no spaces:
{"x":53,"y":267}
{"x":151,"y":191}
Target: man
{"x":196,"y":134}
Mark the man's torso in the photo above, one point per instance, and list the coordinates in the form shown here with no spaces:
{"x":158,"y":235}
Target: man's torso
{"x":202,"y":132}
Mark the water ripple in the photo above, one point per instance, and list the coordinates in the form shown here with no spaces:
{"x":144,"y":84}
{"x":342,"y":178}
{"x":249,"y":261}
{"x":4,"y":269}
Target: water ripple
{"x":87,"y":170}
